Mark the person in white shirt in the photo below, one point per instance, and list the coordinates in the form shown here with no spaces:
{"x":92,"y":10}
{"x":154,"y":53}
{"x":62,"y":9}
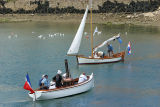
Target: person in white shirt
{"x":82,"y":78}
{"x":96,"y":54}
{"x":52,"y":85}
{"x":64,"y":76}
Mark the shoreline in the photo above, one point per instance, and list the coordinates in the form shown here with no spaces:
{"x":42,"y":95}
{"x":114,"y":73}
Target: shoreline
{"x":144,"y":19}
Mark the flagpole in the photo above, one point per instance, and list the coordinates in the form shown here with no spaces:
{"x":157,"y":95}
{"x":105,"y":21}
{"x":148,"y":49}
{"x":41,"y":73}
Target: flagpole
{"x":34,"y":99}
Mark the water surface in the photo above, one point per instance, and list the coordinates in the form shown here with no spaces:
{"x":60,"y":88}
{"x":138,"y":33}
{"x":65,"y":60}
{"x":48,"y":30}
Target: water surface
{"x":134,"y":82}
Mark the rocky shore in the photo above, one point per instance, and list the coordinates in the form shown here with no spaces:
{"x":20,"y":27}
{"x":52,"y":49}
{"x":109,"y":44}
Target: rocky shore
{"x":149,"y":18}
{"x":137,"y":13}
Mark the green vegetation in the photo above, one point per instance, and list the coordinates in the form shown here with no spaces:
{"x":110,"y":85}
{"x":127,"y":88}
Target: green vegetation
{"x":4,"y":20}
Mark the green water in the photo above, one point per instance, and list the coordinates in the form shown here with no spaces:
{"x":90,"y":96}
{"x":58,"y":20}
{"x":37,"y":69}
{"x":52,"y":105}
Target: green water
{"x":134,"y":82}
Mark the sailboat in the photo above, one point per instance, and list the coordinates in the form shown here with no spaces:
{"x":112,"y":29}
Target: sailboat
{"x":81,"y":59}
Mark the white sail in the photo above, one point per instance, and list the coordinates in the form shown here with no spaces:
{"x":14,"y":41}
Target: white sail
{"x":74,"y":48}
{"x":105,"y":42}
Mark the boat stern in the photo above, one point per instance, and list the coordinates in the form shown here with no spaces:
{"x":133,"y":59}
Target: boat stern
{"x":122,"y":55}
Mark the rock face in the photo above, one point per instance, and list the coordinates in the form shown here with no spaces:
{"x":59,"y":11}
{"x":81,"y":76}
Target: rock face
{"x":152,"y":14}
{"x":149,"y":14}
{"x":19,"y":4}
{"x":78,"y":6}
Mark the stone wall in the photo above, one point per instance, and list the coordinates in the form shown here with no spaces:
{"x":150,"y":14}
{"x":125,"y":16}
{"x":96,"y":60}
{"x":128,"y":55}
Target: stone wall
{"x":18,"y":4}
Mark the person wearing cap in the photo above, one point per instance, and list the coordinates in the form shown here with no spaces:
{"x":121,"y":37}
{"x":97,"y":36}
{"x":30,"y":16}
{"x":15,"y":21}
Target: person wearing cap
{"x":82,"y":78}
{"x":52,"y":85}
{"x":64,"y":76}
{"x":40,"y":84}
{"x":45,"y":83}
{"x":58,"y":79}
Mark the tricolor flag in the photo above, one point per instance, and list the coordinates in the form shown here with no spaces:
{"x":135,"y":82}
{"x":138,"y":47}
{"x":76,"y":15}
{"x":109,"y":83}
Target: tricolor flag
{"x":27,"y":85}
{"x":129,"y":48}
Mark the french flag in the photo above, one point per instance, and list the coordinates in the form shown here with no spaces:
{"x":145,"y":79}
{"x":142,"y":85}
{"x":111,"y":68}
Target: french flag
{"x":129,"y":48}
{"x":27,"y":85}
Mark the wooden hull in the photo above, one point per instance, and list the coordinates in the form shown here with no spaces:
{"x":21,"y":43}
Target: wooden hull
{"x":64,"y":91}
{"x":86,"y":60}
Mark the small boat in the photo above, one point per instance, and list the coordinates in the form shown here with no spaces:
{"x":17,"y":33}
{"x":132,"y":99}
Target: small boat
{"x":74,"y":89}
{"x":116,"y":57}
{"x":81,"y":59}
{"x":88,"y":60}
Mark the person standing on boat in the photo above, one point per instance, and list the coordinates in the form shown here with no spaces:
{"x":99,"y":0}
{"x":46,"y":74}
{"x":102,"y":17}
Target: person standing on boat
{"x":110,"y":49}
{"x":58,"y":79}
{"x":45,"y":83}
{"x":82,"y":78}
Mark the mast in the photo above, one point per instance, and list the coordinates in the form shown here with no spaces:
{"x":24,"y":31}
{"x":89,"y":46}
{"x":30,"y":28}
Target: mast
{"x":67,"y":70}
{"x":91,"y":30}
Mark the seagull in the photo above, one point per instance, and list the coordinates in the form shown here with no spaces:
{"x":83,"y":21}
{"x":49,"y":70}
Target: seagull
{"x":99,"y":33}
{"x":49,"y":35}
{"x":52,"y":36}
{"x":126,"y":33}
{"x":62,"y":34}
{"x":9,"y":37}
{"x":85,"y":33}
{"x":55,"y":34}
{"x":40,"y":36}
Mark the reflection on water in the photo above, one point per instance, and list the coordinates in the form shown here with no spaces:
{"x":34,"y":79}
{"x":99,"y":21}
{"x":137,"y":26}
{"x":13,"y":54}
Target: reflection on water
{"x":134,"y":82}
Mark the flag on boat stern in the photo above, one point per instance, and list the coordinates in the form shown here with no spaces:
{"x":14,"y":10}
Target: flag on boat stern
{"x":129,"y":48}
{"x":27,"y":85}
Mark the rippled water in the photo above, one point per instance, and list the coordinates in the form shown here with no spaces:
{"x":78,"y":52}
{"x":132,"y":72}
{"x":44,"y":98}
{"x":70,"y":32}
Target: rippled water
{"x":133,"y":83}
